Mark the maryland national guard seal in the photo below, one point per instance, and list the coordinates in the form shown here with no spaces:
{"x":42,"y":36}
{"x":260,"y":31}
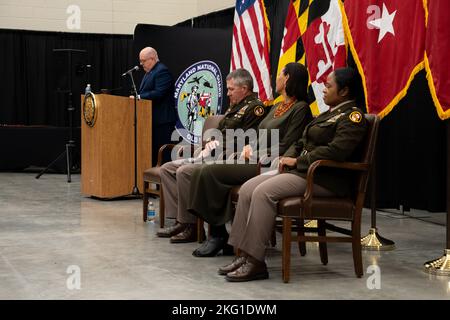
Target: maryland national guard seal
{"x":89,"y":109}
{"x":198,"y":95}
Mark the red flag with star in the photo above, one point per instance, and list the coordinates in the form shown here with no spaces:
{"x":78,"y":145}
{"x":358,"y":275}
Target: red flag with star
{"x":387,"y":40}
{"x":438,"y":54}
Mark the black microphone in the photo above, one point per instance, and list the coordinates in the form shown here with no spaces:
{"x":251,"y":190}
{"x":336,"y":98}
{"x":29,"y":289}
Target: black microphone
{"x":135,"y":68}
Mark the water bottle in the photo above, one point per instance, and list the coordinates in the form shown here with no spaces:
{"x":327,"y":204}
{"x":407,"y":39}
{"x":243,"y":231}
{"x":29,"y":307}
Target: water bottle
{"x":151,"y":212}
{"x":88,"y":89}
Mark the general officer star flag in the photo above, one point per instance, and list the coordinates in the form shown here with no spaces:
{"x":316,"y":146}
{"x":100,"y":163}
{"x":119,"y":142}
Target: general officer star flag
{"x":387,"y":39}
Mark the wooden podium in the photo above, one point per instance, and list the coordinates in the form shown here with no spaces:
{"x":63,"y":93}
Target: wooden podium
{"x":107,"y":146}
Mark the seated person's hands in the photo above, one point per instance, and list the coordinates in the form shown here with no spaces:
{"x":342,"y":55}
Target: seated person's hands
{"x":210,"y":146}
{"x":247,"y":152}
{"x":287,"y":162}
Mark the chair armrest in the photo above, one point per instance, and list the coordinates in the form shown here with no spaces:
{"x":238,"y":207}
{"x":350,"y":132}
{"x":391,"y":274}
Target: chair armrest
{"x":358,"y":166}
{"x":263,"y":161}
{"x":308,"y":195}
{"x":161,"y":150}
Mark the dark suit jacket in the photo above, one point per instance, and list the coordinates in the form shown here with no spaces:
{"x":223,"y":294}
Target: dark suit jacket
{"x":158,"y":86}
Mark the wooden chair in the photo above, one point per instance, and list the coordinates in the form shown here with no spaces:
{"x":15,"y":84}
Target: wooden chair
{"x":153,"y":175}
{"x":330,"y":208}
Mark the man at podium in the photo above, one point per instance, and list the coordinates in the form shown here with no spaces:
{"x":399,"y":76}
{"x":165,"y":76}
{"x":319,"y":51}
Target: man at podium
{"x":158,"y":86}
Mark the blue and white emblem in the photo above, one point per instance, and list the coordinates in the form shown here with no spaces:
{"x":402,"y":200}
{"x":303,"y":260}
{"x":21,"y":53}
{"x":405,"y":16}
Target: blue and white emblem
{"x":198,"y":95}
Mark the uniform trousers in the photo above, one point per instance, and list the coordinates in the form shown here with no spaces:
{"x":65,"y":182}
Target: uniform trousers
{"x":175,"y":180}
{"x":257,"y":208}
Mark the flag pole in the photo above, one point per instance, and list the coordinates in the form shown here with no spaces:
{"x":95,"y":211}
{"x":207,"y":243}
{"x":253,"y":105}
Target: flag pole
{"x":373,"y":241}
{"x":441,"y":266}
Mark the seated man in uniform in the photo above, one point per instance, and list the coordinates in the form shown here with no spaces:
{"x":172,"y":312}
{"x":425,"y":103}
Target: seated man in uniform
{"x":245,"y":112}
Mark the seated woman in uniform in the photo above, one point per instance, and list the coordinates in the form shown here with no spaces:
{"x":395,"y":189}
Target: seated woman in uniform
{"x":211,"y":184}
{"x":333,"y":135}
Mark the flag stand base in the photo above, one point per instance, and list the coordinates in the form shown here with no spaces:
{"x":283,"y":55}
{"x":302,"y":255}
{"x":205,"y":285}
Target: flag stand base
{"x":440,"y":266}
{"x":373,"y":241}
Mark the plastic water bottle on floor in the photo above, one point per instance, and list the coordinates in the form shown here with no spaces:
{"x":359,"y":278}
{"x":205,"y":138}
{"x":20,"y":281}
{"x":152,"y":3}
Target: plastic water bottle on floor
{"x":151,"y":212}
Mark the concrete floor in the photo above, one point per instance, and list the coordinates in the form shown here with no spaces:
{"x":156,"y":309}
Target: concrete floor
{"x":49,"y":234}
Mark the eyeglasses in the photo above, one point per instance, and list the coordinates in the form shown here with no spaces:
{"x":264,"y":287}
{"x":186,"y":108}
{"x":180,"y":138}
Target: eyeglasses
{"x":144,"y":60}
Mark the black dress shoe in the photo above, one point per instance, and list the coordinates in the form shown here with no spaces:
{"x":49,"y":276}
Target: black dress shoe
{"x":252,"y":269}
{"x":170,"y":231}
{"x":235,"y":264}
{"x":212,"y":247}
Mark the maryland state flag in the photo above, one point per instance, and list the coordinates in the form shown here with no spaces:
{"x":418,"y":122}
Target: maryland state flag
{"x":313,"y":35}
{"x":387,"y":39}
{"x":438,"y":54}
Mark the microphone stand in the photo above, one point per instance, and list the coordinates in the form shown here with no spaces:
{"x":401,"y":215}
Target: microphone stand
{"x":135,"y":191}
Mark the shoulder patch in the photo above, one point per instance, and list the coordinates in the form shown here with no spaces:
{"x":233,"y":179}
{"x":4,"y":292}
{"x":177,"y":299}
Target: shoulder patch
{"x":259,"y":111}
{"x":355,"y":116}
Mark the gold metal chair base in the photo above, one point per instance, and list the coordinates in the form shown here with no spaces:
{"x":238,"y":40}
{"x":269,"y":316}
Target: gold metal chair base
{"x":373,"y":241}
{"x":311,"y":224}
{"x":439,"y":267}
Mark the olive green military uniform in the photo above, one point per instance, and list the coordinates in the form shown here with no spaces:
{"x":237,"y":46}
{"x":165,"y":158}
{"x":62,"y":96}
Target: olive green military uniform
{"x":334,"y":135}
{"x":176,"y":175}
{"x":211,"y":184}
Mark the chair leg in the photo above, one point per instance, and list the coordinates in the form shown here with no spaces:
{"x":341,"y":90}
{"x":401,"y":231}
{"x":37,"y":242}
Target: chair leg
{"x":322,"y":245}
{"x":162,"y":212}
{"x":301,"y":233}
{"x":200,"y":230}
{"x":286,"y":247}
{"x":145,"y":202}
{"x":273,"y":239}
{"x":356,"y":248}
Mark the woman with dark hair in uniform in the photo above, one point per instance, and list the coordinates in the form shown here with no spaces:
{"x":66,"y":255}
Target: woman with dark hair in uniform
{"x":333,"y":135}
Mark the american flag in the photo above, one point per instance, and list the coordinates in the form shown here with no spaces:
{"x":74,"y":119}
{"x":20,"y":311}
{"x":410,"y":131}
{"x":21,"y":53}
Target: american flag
{"x":250,"y":47}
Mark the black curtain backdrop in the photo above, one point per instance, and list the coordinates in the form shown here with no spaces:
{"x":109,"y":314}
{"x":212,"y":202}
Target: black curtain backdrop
{"x":411,"y":152}
{"x":30,"y":70}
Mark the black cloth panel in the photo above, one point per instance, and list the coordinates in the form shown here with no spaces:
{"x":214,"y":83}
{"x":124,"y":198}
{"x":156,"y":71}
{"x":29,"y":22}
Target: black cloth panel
{"x":22,"y":147}
{"x":31,"y":73}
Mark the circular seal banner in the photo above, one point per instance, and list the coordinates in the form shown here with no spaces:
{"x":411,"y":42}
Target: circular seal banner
{"x":198,"y":95}
{"x":89,"y":109}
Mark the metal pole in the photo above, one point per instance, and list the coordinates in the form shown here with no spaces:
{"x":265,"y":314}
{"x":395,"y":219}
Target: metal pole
{"x":441,"y":266}
{"x":373,"y":241}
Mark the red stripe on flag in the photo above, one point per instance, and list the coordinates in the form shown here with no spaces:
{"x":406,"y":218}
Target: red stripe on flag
{"x":253,"y":63}
{"x":255,"y":26}
{"x":266,"y":38}
{"x":238,"y":49}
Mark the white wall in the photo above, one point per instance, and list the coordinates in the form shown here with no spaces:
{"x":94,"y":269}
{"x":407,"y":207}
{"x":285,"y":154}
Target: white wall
{"x":101,"y":16}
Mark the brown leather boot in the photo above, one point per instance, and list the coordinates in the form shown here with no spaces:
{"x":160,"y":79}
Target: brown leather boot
{"x":188,"y":234}
{"x":252,"y":269}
